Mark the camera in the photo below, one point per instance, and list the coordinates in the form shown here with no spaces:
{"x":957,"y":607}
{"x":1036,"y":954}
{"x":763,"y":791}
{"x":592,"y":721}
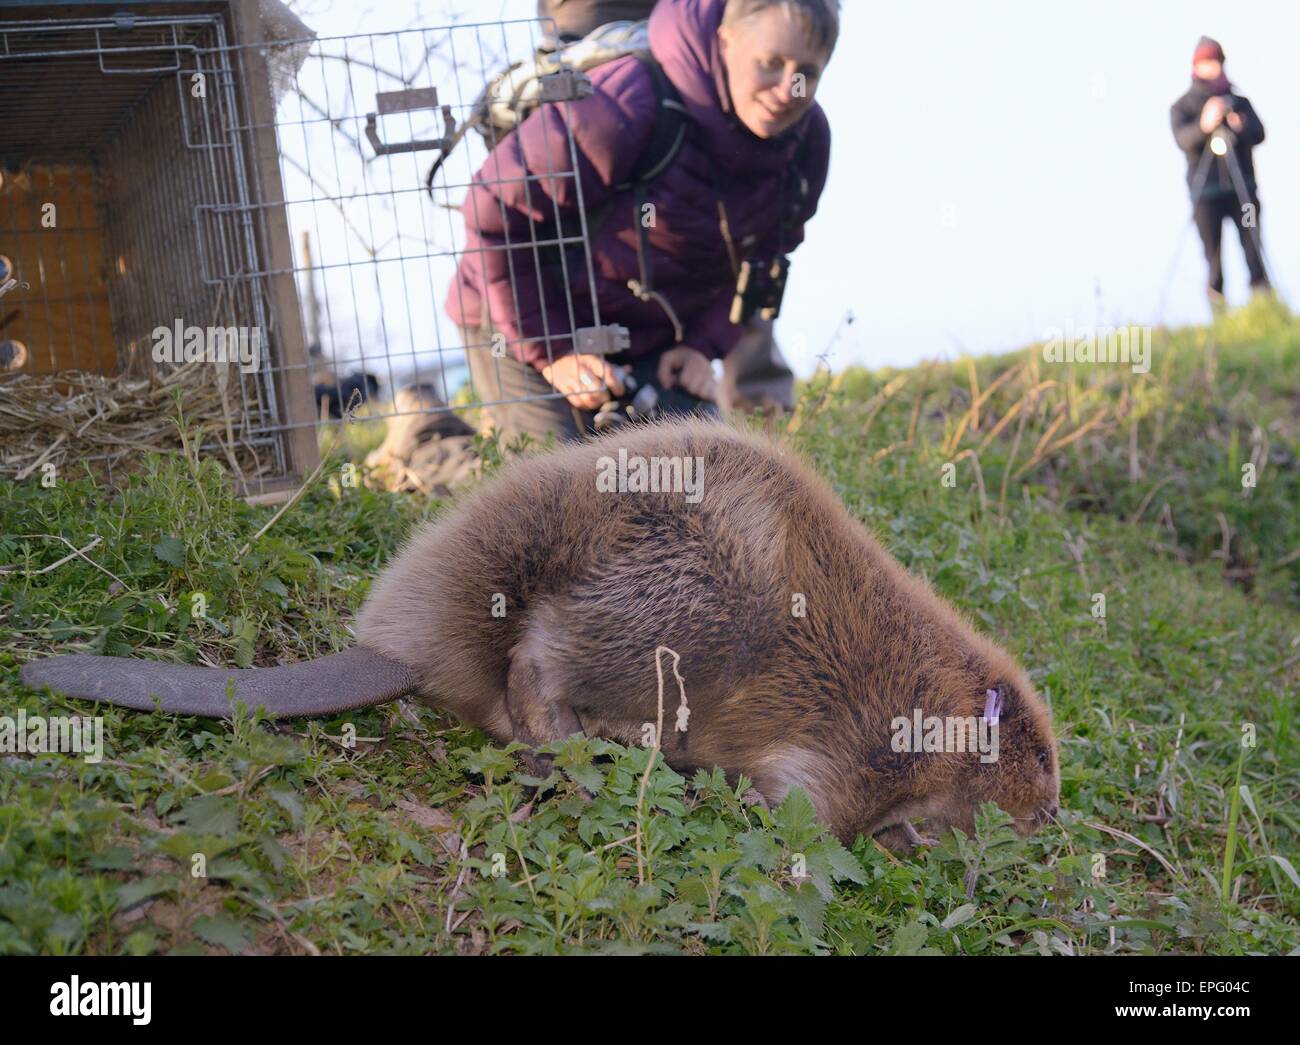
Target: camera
{"x":635,"y":404}
{"x":760,"y":286}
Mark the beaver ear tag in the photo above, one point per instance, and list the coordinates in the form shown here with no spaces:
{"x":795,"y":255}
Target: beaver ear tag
{"x":992,"y":706}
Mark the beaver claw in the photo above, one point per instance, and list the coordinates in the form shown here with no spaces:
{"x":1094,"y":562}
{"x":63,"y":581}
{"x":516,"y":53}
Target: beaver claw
{"x":903,"y":839}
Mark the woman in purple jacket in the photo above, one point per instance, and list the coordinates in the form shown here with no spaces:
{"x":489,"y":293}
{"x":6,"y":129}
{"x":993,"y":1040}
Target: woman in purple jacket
{"x":740,"y":187}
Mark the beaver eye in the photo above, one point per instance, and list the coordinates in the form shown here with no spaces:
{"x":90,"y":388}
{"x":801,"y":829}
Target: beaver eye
{"x":1042,"y":757}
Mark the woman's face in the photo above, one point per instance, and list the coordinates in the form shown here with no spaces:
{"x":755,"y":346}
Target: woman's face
{"x":1207,"y":69}
{"x":773,"y":70}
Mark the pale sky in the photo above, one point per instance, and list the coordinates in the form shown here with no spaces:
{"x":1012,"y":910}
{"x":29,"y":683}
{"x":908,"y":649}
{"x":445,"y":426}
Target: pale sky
{"x":1001,"y":168}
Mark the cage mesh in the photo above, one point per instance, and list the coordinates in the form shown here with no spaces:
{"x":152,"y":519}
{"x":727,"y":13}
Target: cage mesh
{"x":203,"y":180}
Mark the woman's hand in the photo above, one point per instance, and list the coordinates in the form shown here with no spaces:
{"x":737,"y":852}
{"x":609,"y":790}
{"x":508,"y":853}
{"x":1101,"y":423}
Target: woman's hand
{"x":1212,"y":113}
{"x":586,"y":381}
{"x":688,"y":368}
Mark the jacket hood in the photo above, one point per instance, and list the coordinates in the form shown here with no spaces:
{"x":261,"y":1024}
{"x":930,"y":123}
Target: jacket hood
{"x":684,"y":41}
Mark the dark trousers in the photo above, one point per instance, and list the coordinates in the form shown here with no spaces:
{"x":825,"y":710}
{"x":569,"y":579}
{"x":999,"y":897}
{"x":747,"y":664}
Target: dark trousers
{"x":1209,"y":215}
{"x":515,"y":391}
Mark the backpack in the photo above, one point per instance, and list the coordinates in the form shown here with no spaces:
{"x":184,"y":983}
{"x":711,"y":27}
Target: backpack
{"x":560,"y":75}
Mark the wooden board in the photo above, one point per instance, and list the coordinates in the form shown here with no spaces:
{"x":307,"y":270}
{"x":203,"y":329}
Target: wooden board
{"x":63,"y":316}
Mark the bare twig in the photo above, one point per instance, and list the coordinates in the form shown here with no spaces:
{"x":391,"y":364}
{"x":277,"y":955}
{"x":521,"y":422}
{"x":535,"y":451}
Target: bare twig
{"x":654,"y":752}
{"x":76,"y":552}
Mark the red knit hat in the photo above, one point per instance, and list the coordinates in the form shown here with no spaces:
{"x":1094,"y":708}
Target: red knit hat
{"x":1207,"y":48}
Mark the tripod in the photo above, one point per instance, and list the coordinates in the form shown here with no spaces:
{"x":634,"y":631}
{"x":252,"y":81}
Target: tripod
{"x":1222,"y":143}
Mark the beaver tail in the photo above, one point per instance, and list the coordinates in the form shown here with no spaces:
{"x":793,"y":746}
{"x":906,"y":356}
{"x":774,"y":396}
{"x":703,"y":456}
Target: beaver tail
{"x":358,"y":678}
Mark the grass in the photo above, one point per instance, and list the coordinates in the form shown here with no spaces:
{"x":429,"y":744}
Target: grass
{"x":396,"y":830}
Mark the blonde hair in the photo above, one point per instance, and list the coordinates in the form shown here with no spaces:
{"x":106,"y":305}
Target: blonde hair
{"x":821,"y":18}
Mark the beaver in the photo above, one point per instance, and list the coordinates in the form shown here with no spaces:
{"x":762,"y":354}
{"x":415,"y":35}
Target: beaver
{"x":533,"y":609}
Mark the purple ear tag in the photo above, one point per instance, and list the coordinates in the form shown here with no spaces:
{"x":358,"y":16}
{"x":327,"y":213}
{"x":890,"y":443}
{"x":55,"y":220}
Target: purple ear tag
{"x":992,"y":706}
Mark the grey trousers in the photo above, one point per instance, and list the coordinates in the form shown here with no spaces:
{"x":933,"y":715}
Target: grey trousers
{"x":515,"y":389}
{"x":754,"y":375}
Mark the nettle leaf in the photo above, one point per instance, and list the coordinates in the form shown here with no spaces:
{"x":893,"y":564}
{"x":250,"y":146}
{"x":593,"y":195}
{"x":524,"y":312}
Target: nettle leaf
{"x":676,"y":916}
{"x":487,"y":760}
{"x":260,"y":748}
{"x":595,"y":823}
{"x":838,"y":862}
{"x":819,"y":879}
{"x":209,"y":815}
{"x":222,"y":931}
{"x":706,"y":783}
{"x":183,"y":845}
{"x":753,"y":884}
{"x":277,"y":854}
{"x":664,"y":833}
{"x":171,"y":551}
{"x":910,"y":939}
{"x":589,"y":883}
{"x":290,"y":801}
{"x":116,"y":858}
{"x":716,"y":860}
{"x":759,"y":849}
{"x":245,"y":632}
{"x":290,"y":560}
{"x":693,"y":890}
{"x":795,"y":820}
{"x":588,"y":776}
{"x":809,"y":907}
{"x":214,"y":779}
{"x":419,"y":852}
{"x":132,"y":893}
{"x":237,"y":873}
{"x":716,"y":932}
{"x":544,"y":785}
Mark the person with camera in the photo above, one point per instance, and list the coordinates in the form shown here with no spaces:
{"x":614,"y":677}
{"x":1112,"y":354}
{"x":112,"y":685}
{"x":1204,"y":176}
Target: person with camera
{"x":687,"y":259}
{"x":1220,"y":173}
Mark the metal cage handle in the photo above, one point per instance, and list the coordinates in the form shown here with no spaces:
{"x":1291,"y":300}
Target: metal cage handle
{"x":126,"y":21}
{"x":388,"y":102}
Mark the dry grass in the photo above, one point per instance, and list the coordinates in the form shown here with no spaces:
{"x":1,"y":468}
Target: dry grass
{"x":108,"y":424}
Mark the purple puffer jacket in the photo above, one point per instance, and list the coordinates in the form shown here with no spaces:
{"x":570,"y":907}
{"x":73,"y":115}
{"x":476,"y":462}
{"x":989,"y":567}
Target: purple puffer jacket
{"x":611,"y":129}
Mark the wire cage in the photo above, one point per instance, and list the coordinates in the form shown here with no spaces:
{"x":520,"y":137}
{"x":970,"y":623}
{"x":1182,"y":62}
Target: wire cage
{"x":202,"y":205}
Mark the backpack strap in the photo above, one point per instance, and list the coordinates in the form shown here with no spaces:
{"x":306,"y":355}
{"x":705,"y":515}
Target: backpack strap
{"x":672,"y":122}
{"x":671,"y":125}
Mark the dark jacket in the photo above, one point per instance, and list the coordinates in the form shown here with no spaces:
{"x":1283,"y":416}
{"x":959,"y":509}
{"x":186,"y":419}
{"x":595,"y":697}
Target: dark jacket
{"x":1185,"y":117}
{"x":579,"y":17}
{"x":692,"y":269}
